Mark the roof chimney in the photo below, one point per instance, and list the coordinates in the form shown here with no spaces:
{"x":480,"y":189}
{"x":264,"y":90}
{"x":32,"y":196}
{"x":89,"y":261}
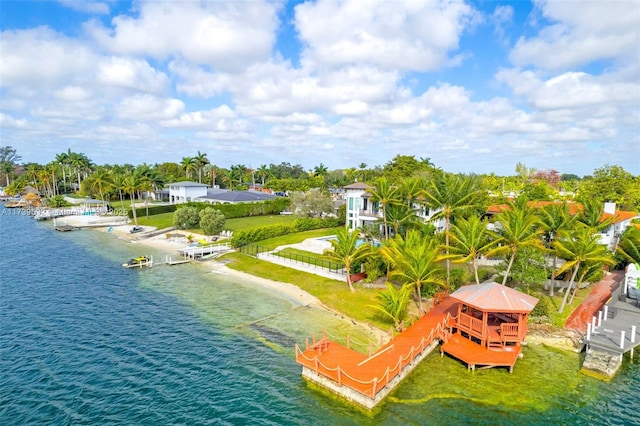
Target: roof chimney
{"x":610,"y":208}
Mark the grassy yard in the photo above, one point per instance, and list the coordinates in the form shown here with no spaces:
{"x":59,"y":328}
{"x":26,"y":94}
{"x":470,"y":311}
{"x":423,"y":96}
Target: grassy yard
{"x":334,"y":294}
{"x":165,"y":220}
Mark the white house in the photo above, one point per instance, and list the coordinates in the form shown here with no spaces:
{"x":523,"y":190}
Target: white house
{"x":610,"y":236}
{"x":362,"y":209}
{"x":183,"y":192}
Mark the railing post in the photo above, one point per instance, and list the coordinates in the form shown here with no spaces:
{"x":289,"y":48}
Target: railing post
{"x":622,"y":339}
{"x":588,"y":331}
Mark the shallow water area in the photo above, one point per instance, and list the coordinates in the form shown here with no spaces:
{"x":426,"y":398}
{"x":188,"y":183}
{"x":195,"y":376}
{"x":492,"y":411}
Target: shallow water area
{"x":83,"y":340}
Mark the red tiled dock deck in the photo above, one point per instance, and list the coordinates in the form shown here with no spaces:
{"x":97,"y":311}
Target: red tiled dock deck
{"x":475,"y":355}
{"x":365,"y":379}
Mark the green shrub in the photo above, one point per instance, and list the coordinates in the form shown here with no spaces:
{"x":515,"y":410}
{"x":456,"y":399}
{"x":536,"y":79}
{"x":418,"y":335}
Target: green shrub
{"x":541,"y":309}
{"x":186,"y":218}
{"x":254,"y":235}
{"x":211,"y":221}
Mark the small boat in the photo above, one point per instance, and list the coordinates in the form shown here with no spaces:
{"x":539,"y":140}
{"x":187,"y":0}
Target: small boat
{"x":139,"y":262}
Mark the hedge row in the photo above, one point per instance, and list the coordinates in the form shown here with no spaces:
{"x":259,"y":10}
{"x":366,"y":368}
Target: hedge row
{"x":153,"y":210}
{"x":230,"y":211}
{"x":253,"y":235}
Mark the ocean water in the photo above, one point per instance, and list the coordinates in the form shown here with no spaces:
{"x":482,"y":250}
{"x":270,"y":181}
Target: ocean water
{"x":85,"y":341}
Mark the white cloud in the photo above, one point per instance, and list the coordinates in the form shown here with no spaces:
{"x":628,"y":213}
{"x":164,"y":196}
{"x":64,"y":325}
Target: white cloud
{"x":406,"y":35}
{"x":581,"y":33}
{"x":227,"y":36}
{"x":131,"y":74}
{"x":59,"y":59}
{"x":86,"y":6}
{"x":147,"y":107}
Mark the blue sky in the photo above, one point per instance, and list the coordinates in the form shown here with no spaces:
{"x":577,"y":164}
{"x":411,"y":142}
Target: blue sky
{"x":476,"y":86}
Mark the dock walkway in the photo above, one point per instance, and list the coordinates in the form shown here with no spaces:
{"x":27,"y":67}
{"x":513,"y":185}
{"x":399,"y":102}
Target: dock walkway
{"x":616,"y":328}
{"x":367,"y":379}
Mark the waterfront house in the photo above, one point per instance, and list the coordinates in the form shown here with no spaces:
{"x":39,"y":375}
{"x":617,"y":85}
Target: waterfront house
{"x":183,"y":192}
{"x":225,"y":196}
{"x":362,"y":209}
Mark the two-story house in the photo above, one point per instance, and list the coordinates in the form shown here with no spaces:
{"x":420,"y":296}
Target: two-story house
{"x":362,"y":209}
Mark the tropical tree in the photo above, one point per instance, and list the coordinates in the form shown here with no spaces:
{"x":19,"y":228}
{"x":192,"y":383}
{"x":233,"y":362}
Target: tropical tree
{"x":555,"y":219}
{"x":118,"y":181}
{"x":131,"y":184}
{"x":262,"y":172}
{"x":519,"y":228}
{"x":211,"y":221}
{"x":581,"y":251}
{"x":401,"y":218}
{"x":393,"y":303}
{"x":629,"y":246}
{"x":452,"y":195}
{"x":469,"y":238}
{"x":385,"y":195}
{"x":188,"y":164}
{"x":320,"y":170}
{"x":592,"y":215}
{"x":199,"y":161}
{"x":62,"y":159}
{"x":8,"y":160}
{"x":212,"y":171}
{"x":346,"y":249}
{"x":414,"y":261}
{"x":101,"y":180}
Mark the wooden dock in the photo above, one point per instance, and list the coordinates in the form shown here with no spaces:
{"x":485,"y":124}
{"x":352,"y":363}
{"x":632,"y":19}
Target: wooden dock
{"x":205,"y":252}
{"x":616,"y":328}
{"x":367,"y":379}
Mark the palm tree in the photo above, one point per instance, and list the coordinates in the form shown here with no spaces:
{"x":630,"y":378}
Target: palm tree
{"x":592,"y":215}
{"x":263,"y":172}
{"x":212,"y":171}
{"x":415,"y":261}
{"x":393,"y":303}
{"x":118,"y":181}
{"x":62,"y":159}
{"x":320,"y":170}
{"x":80,"y":163}
{"x":386,"y":195}
{"x":629,"y":246}
{"x":555,"y":218}
{"x":8,"y":160}
{"x":470,"y":238}
{"x":580,"y":248}
{"x":363,"y":172}
{"x":345,"y":249}
{"x":189,"y":165}
{"x":131,"y":185}
{"x":519,"y":227}
{"x":452,"y":195}
{"x":101,"y":180}
{"x":401,"y":218}
{"x":200,"y":160}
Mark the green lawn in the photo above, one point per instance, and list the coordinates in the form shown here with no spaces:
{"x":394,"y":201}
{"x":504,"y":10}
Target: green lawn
{"x":165,"y":220}
{"x":309,"y":257}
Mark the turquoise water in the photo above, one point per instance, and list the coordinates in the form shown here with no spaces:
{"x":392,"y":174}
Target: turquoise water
{"x":85,"y":341}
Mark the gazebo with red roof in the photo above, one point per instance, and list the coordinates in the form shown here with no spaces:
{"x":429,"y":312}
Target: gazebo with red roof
{"x":490,"y":326}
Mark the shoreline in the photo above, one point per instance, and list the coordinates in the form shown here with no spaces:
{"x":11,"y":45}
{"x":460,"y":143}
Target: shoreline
{"x":539,"y":334}
{"x":290,"y":292}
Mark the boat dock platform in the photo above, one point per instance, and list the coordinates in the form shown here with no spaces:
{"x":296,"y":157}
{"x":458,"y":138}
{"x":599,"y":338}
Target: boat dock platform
{"x":367,"y":379}
{"x":139,"y":262}
{"x":616,"y":329}
{"x":205,"y":252}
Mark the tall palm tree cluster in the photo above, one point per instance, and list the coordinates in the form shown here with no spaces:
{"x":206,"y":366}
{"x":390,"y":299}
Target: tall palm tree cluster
{"x":418,"y":259}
